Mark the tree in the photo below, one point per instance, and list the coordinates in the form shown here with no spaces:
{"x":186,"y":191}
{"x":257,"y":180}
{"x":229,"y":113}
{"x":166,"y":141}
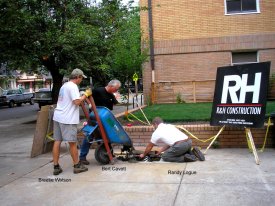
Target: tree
{"x":127,"y":56}
{"x":58,"y":35}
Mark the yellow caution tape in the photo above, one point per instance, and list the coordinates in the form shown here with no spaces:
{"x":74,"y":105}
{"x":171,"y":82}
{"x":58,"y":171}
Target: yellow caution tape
{"x":266,"y":134}
{"x":215,"y":136}
{"x":138,"y":119}
{"x":50,"y":136}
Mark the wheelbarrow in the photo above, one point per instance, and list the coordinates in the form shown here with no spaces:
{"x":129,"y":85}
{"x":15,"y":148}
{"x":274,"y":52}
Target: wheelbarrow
{"x":103,"y":127}
{"x":115,"y":135}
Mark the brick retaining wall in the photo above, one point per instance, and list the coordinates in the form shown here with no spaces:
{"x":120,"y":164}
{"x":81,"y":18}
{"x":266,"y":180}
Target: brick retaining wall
{"x":231,"y":137}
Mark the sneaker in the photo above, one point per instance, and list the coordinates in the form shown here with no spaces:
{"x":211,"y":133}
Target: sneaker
{"x":198,"y":154}
{"x":57,"y":170}
{"x":189,"y":158}
{"x":84,"y":162}
{"x":79,"y":167}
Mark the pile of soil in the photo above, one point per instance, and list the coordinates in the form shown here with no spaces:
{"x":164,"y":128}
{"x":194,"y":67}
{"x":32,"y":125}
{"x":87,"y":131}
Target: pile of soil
{"x":124,"y":122}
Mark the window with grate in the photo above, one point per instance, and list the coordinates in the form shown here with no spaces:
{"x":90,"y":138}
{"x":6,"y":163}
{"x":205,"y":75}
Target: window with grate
{"x":241,"y":6}
{"x":244,"y":57}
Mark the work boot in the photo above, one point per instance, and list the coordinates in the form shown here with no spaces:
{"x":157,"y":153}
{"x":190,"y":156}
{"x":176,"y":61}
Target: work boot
{"x":189,"y":158}
{"x":57,"y":169}
{"x":147,"y":159}
{"x":79,"y":167}
{"x":196,"y":151}
{"x":84,"y":162}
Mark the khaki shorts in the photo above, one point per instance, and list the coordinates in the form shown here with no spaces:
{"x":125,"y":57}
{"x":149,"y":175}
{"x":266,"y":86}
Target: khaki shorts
{"x":64,"y":132}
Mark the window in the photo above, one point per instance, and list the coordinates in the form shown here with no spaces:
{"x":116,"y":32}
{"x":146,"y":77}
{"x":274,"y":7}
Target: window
{"x":241,"y":6}
{"x":244,"y":57}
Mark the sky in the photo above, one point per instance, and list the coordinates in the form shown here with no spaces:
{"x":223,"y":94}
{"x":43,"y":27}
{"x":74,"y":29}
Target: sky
{"x":134,"y":4}
{"x":126,"y":1}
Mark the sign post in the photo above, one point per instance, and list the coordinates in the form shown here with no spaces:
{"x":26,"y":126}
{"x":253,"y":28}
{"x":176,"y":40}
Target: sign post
{"x":135,"y":79}
{"x":240,"y":97}
{"x":248,"y":131}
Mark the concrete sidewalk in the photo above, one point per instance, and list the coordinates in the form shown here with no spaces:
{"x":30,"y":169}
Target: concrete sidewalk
{"x":227,"y":177}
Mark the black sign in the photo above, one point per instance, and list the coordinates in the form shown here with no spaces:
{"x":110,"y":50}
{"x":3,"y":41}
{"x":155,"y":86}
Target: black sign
{"x":240,"y":95}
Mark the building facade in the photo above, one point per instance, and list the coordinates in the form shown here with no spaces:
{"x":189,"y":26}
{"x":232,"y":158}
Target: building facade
{"x":189,"y":40}
{"x":29,"y":82}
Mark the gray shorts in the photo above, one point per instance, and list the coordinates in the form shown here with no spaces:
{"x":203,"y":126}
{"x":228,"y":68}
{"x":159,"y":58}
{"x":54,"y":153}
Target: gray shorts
{"x":64,"y":132}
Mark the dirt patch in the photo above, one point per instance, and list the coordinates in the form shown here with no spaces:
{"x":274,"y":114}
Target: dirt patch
{"x":125,"y":122}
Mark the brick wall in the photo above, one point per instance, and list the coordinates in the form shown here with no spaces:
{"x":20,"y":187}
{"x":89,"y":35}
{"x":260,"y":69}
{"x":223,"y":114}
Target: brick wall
{"x":231,"y":137}
{"x":189,"y":60}
{"x":185,"y":19}
{"x":173,"y":71}
{"x":193,"y":38}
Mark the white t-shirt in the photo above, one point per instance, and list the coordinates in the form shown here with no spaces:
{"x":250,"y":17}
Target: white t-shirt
{"x":66,"y":111}
{"x":167,"y":134}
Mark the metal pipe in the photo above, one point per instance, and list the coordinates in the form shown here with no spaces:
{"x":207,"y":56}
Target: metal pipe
{"x":151,"y":35}
{"x":152,"y":52}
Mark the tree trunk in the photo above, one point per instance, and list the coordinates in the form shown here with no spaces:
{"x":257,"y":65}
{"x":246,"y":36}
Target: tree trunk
{"x":57,"y":83}
{"x":49,"y":63}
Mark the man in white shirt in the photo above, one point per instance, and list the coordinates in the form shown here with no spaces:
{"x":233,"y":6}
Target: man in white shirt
{"x":66,"y":119}
{"x":177,"y":145}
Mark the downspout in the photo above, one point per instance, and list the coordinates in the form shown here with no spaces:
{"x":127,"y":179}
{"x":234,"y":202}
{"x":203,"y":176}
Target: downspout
{"x":152,"y":52}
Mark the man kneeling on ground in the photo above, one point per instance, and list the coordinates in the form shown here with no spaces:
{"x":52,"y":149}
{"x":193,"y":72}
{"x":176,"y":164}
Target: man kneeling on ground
{"x":177,"y":145}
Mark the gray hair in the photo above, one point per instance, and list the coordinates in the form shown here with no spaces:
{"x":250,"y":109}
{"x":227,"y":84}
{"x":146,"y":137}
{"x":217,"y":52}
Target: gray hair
{"x":157,"y":120}
{"x":114,"y":83}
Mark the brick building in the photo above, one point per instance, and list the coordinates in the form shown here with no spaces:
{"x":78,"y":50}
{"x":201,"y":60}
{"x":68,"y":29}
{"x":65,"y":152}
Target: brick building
{"x":190,"y":39}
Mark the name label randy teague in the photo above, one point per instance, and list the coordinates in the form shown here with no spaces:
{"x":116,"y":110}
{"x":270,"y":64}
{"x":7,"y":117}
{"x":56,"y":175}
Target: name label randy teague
{"x":181,"y":172}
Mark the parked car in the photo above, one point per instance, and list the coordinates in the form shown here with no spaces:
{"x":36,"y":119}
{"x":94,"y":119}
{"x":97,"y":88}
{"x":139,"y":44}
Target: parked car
{"x":43,"y":97}
{"x":15,"y":96}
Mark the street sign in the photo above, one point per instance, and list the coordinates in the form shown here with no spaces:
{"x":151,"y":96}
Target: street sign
{"x":135,"y":77}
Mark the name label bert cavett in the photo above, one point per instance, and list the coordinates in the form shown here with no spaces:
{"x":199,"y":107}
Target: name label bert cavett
{"x":113,"y":168}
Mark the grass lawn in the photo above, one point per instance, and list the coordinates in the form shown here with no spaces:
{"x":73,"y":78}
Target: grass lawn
{"x":189,"y":112}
